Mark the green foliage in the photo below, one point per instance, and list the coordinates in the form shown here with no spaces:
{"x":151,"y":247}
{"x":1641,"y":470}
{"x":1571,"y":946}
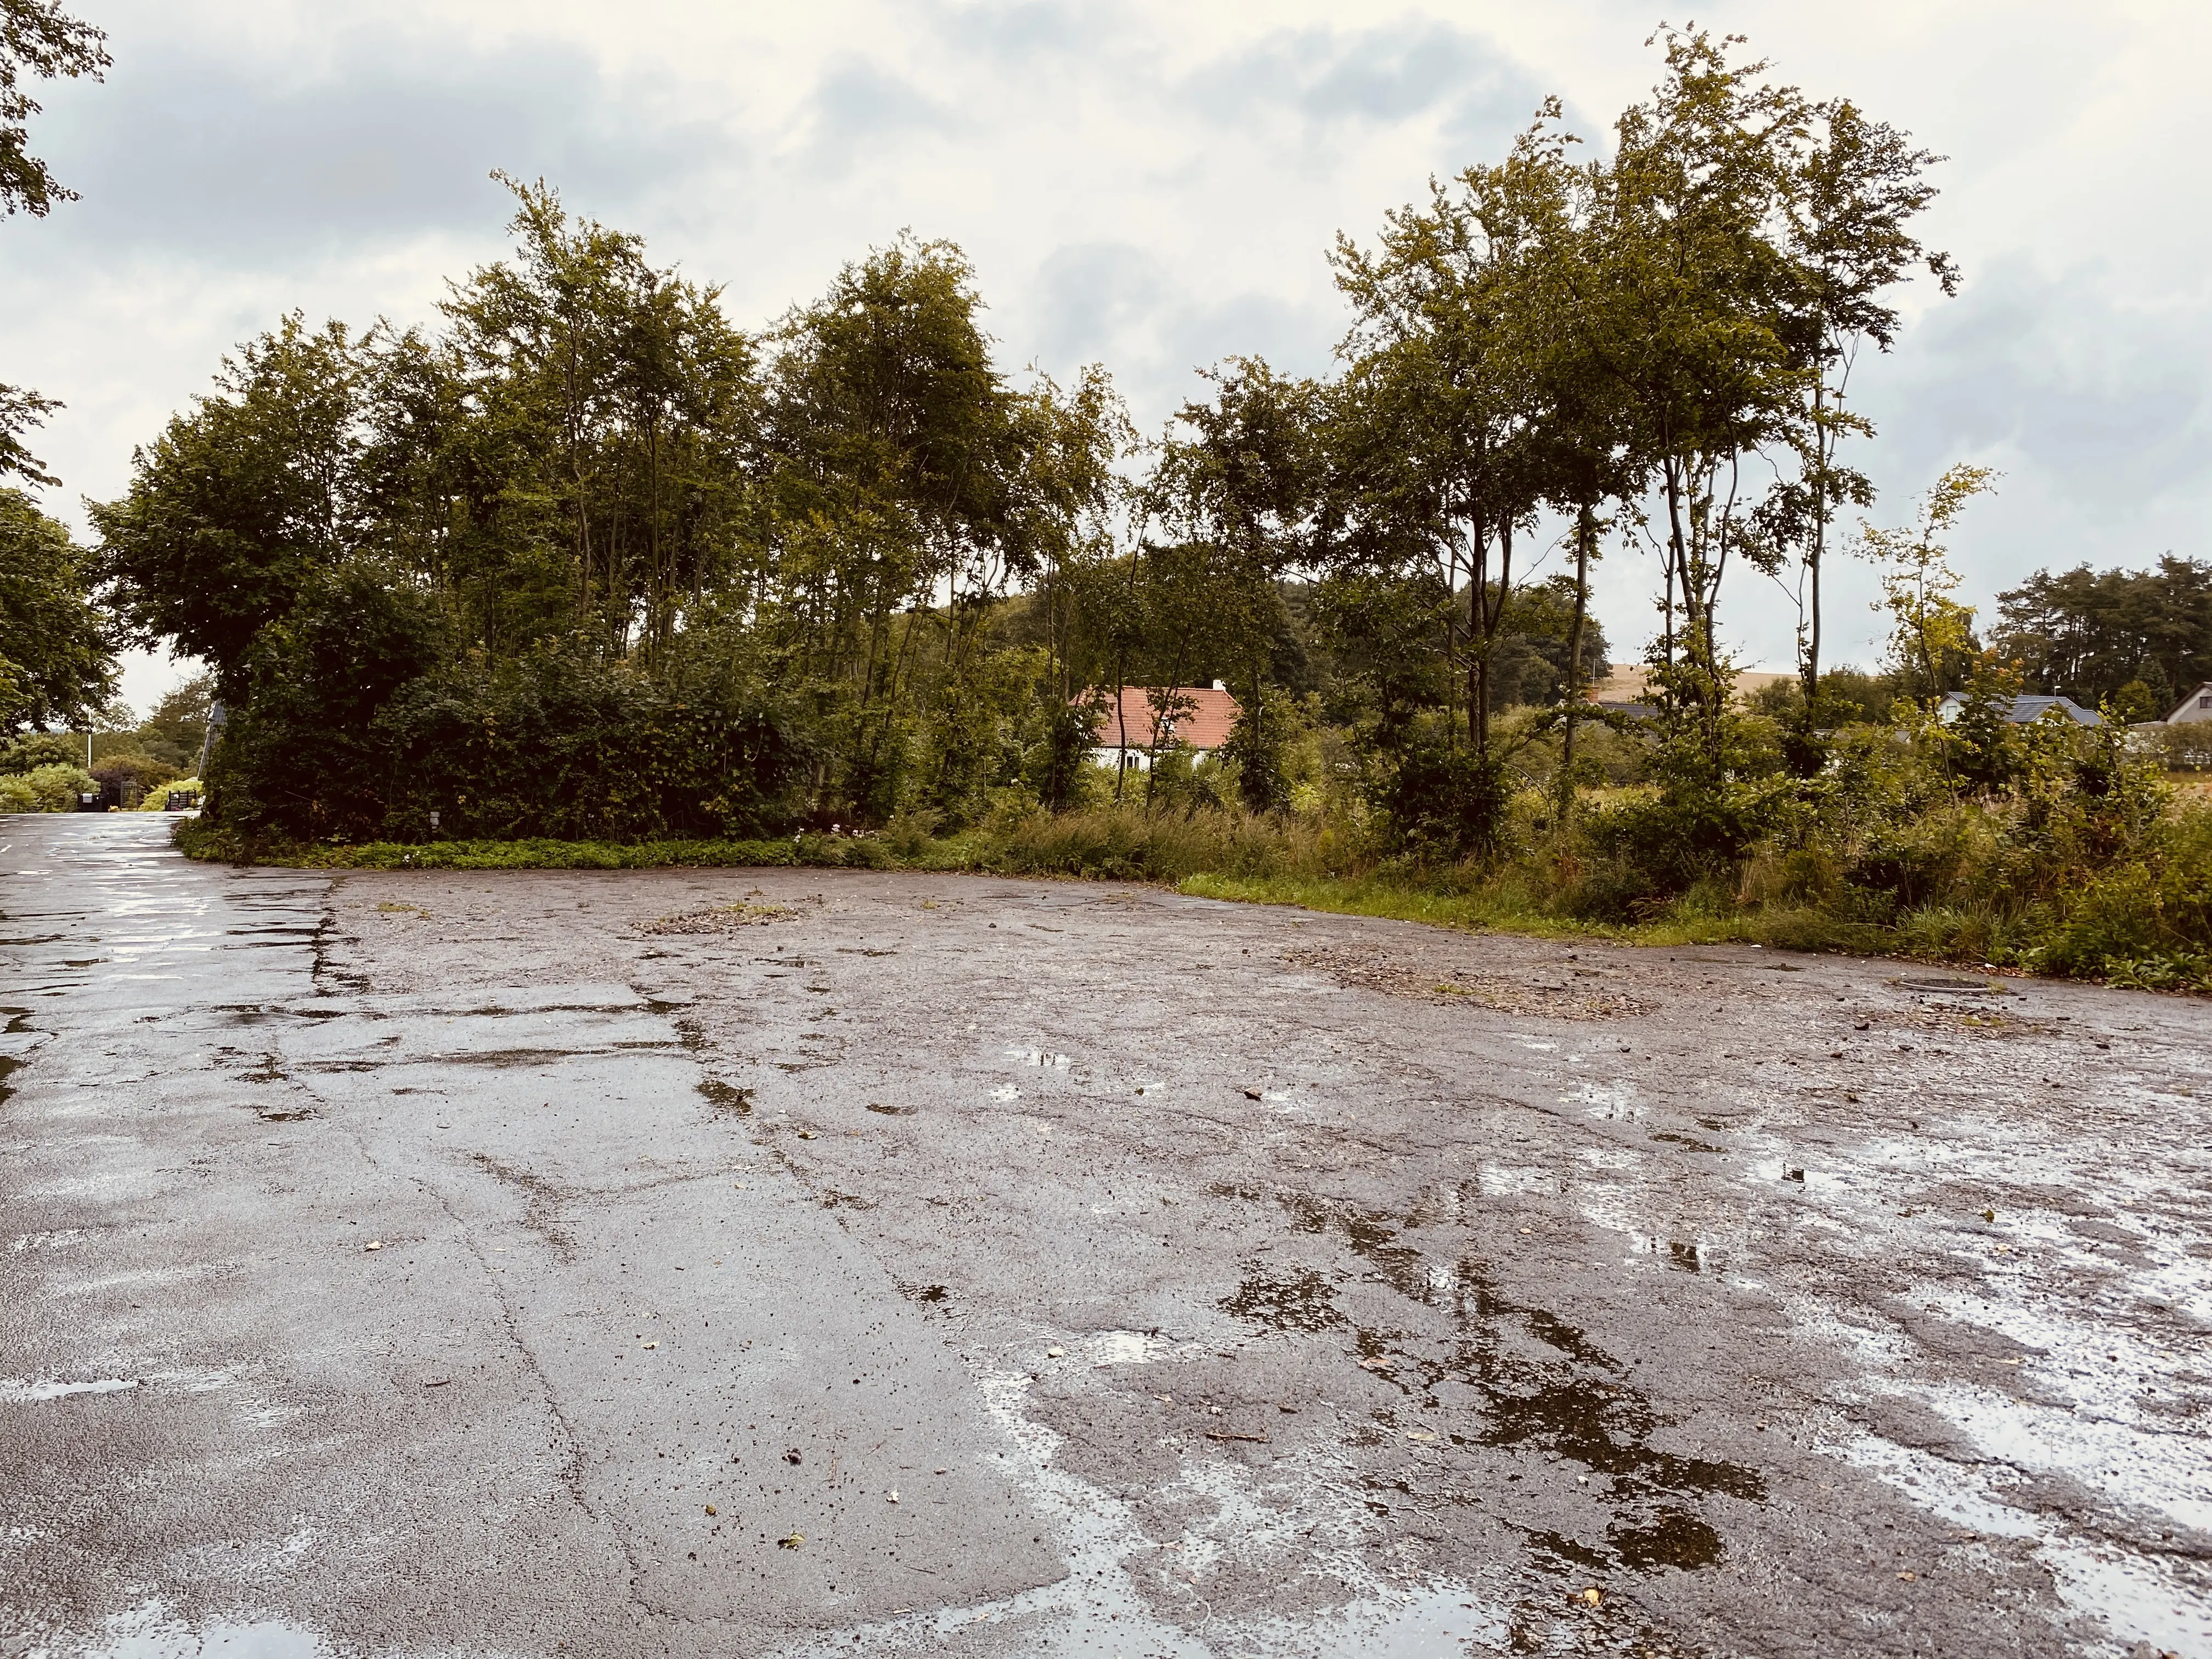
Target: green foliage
{"x":1260,"y":747}
{"x":133,"y":771}
{"x":37,"y":37}
{"x":1440,"y":801}
{"x":2184,"y":748}
{"x":156,"y":799}
{"x":2143,"y":922}
{"x":1931,"y":639}
{"x":177,"y":728}
{"x":50,"y":788}
{"x":30,"y":750}
{"x":56,"y":663}
{"x":558,"y":742}
{"x":2143,"y":638}
{"x":1060,"y":768}
{"x":235,"y":506}
{"x":599,"y":580}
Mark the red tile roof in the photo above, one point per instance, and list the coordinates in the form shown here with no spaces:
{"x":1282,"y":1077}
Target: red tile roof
{"x":1206,"y":726}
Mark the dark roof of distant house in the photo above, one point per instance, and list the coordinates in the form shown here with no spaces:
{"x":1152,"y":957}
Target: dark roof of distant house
{"x":1204,"y":725}
{"x":2025,"y":708}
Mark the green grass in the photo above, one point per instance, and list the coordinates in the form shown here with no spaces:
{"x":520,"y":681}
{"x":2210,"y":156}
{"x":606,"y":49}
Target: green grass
{"x":1501,"y":909}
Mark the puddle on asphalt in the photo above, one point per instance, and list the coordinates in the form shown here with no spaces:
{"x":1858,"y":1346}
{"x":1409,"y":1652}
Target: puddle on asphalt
{"x":505,"y":1059}
{"x":1303,"y":1301}
{"x":727,"y":1097}
{"x":1126,"y":1347}
{"x":1572,"y":1403}
{"x":2098,"y":1410}
{"x":1689,"y":1141}
{"x":151,"y":1630}
{"x":1125,"y":1594}
{"x":21,"y":1392}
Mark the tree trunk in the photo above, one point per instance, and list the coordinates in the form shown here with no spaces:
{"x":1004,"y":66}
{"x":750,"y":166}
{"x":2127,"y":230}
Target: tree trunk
{"x":1585,"y":534}
{"x":1810,"y":677}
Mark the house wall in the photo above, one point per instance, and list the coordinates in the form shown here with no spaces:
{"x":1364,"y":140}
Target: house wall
{"x":1138,"y":761}
{"x":2196,"y":706}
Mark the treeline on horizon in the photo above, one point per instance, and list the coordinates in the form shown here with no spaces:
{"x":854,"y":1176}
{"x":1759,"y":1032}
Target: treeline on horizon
{"x":585,"y":560}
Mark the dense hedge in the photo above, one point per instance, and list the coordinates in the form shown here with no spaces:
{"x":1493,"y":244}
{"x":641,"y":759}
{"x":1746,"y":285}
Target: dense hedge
{"x":358,"y":724}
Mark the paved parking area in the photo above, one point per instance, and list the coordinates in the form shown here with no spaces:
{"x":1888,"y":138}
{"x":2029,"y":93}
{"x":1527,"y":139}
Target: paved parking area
{"x":804,"y":1262}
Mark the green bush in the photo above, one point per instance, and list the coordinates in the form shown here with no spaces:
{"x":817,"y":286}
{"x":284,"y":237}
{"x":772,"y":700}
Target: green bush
{"x":29,"y":750}
{"x":45,"y":789}
{"x":357,"y":729}
{"x":157,"y":801}
{"x":2146,"y":921}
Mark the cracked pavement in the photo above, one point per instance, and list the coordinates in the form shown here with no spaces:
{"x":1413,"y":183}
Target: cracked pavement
{"x":795,"y":1262}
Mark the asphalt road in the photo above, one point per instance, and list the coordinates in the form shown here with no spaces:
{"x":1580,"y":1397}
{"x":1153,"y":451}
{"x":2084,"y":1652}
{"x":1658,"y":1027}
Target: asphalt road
{"x":547,"y":1263}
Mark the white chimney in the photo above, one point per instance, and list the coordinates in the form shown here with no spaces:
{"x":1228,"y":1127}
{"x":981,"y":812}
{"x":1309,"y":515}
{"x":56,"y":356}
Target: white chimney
{"x":1221,"y":685}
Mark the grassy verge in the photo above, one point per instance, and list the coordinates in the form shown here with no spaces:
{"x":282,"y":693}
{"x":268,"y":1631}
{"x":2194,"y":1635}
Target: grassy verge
{"x":1500,"y":909}
{"x":208,"y":843}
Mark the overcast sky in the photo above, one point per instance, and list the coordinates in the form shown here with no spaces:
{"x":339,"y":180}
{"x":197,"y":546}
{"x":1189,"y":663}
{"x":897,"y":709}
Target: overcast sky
{"x":1150,"y":185}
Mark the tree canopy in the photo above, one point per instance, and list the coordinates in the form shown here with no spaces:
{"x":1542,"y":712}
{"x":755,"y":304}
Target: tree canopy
{"x":844,"y":568}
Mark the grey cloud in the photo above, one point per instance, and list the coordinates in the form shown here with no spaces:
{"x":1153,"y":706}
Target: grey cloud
{"x":1025,"y":32}
{"x":858,"y":111}
{"x":2108,"y":404}
{"x":212,"y":156}
{"x":1322,"y":79}
{"x":1089,"y":298}
{"x":1114,"y":303}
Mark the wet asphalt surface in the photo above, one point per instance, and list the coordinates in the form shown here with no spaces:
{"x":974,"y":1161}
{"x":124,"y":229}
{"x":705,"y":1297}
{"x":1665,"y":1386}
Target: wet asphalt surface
{"x":538,"y":1263}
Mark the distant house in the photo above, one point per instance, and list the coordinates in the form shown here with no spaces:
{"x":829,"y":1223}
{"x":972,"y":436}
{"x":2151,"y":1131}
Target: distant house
{"x":2026,"y":709}
{"x":1201,"y":719}
{"x":1625,"y":687}
{"x":2196,"y":706}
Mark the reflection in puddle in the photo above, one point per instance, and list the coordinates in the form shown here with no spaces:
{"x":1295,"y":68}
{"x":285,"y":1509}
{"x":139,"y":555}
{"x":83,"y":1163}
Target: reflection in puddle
{"x":727,"y":1097}
{"x":1689,"y":1141}
{"x":1565,"y":1399}
{"x":1125,"y":1348}
{"x":152,"y":1632}
{"x":1301,"y":1301}
{"x":26,"y":1392}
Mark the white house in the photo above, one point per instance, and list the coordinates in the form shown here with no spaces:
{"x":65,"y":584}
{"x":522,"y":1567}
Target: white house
{"x":1127,"y":737}
{"x":2196,"y":706}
